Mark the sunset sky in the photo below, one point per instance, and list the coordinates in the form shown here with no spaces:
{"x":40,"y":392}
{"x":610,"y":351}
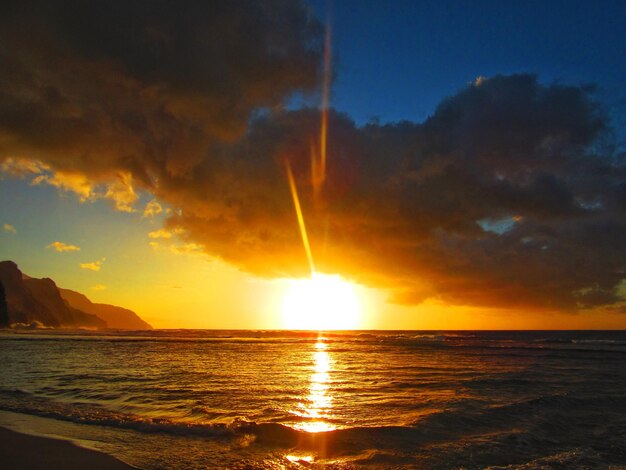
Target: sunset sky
{"x":476,"y":174}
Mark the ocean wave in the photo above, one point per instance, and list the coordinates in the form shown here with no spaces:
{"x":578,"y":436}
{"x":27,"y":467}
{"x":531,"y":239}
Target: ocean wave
{"x":598,"y":341}
{"x":503,"y":348}
{"x":492,"y":432}
{"x":267,"y":434}
{"x":343,"y":341}
{"x":100,"y":417}
{"x":575,"y":458}
{"x":273,"y":434}
{"x":554,"y":409}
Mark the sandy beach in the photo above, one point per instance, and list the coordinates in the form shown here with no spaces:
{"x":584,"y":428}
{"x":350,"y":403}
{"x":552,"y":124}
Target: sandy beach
{"x":19,"y":451}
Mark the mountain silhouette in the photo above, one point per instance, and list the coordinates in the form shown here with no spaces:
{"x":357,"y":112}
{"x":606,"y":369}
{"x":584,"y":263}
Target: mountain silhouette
{"x":30,"y":301}
{"x":115,"y":317}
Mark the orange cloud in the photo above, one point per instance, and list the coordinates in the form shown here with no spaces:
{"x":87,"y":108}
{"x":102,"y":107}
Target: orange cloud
{"x":22,"y":166}
{"x":77,"y":183}
{"x":186,"y":249}
{"x":93,"y":266}
{"x":9,"y":228}
{"x":178,"y":248}
{"x":121,"y":192}
{"x":61,"y":247}
{"x":161,"y":233}
{"x":118,"y":188}
{"x":152,"y":208}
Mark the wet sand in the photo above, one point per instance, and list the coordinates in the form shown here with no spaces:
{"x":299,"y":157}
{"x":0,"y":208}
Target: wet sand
{"x":21,"y":451}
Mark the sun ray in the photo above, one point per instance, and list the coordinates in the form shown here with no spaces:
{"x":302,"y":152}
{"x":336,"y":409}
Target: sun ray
{"x":322,"y":301}
{"x":318,"y":169}
{"x":300,"y":216}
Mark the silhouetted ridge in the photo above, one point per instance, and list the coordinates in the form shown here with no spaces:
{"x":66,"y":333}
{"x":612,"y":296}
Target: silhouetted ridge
{"x":47,"y":293}
{"x":116,"y":317}
{"x":30,"y":301}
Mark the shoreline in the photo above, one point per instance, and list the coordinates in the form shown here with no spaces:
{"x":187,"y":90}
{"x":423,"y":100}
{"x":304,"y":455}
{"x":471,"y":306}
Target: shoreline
{"x":19,"y":450}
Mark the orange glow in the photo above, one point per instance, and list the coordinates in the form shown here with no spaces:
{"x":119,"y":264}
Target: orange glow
{"x":323,"y":302}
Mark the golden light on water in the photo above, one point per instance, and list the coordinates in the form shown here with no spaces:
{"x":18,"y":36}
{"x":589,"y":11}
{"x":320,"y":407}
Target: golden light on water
{"x":316,"y":410}
{"x":293,"y":458}
{"x":321,"y":302}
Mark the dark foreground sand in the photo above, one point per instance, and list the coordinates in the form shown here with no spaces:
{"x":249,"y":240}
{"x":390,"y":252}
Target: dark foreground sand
{"x":21,"y":451}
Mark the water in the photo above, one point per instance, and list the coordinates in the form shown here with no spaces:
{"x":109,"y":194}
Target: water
{"x":266,"y":399}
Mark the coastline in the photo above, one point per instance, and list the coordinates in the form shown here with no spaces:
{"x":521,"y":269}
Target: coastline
{"x":18,"y":450}
{"x":251,"y":399}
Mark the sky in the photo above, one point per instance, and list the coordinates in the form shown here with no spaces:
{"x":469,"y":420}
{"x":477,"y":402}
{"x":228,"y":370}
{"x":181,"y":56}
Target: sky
{"x":475,"y":152}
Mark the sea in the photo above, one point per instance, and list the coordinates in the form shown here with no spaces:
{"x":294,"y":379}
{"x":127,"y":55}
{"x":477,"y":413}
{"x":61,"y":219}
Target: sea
{"x":195,"y":399}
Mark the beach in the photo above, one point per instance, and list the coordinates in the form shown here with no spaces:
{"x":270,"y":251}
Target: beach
{"x":22,"y":451}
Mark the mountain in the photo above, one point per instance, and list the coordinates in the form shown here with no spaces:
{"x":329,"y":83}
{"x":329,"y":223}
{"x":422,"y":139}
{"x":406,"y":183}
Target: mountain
{"x":116,"y":317}
{"x":46,"y":292}
{"x":29,"y":300}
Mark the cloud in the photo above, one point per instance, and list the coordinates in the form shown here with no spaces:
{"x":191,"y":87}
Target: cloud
{"x":76,"y":183}
{"x":186,"y":249}
{"x":9,"y":228}
{"x":512,"y":194}
{"x":117,"y":188}
{"x":189,"y":248}
{"x":22,"y":166}
{"x":93,"y":266}
{"x":406,"y":205}
{"x":161,"y":233}
{"x":152,"y":208}
{"x":121,"y":192}
{"x":99,"y":287}
{"x":61,"y":247}
{"x":142,"y":89}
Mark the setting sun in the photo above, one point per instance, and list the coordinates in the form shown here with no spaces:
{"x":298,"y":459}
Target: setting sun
{"x":322,"y":302}
{"x":312,"y":234}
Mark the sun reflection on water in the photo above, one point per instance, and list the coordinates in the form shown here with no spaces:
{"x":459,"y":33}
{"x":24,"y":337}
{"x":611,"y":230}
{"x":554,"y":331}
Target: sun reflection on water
{"x":316,"y":409}
{"x":298,"y":459}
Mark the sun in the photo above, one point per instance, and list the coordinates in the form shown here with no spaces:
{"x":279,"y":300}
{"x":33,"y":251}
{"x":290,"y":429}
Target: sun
{"x":321,"y":302}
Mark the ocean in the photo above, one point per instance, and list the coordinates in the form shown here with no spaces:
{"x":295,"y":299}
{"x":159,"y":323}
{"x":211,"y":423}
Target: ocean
{"x":187,"y":399}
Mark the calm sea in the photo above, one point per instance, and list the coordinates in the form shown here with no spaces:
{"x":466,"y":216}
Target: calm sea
{"x":272,"y":399}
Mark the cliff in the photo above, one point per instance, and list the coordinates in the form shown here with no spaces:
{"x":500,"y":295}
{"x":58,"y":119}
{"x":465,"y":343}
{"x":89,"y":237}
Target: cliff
{"x":22,"y":306}
{"x":28,"y":300}
{"x":46,"y":292}
{"x":116,"y":317}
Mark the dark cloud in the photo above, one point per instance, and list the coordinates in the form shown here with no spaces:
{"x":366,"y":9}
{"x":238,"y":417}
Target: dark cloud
{"x":145,"y":86}
{"x":185,"y":102}
{"x":404,"y":202}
